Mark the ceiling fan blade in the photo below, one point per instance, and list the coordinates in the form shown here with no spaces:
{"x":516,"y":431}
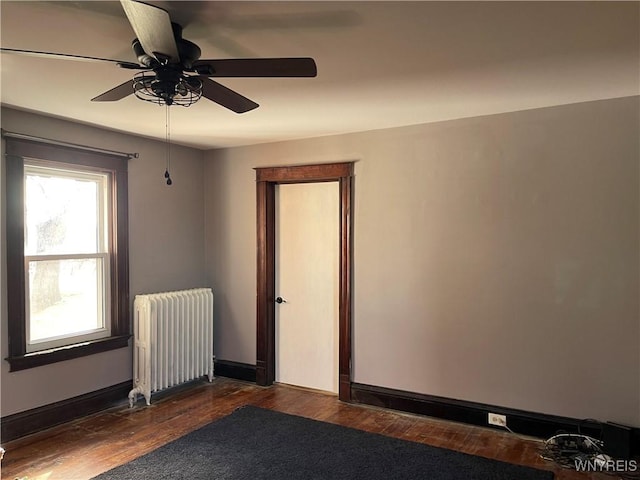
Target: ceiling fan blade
{"x":152,"y":26}
{"x":68,"y":56}
{"x":226,"y":97}
{"x":116,"y":93}
{"x":257,"y":67}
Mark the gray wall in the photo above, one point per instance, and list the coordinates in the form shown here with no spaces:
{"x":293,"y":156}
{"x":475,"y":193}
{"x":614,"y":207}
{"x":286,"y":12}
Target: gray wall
{"x":166,"y":245}
{"x":496,"y":258}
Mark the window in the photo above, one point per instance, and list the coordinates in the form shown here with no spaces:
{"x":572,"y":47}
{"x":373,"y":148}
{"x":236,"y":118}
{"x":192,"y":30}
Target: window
{"x":67,"y":256}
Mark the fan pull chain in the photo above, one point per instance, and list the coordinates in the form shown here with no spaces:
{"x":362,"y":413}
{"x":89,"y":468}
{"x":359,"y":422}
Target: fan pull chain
{"x":167,"y":125}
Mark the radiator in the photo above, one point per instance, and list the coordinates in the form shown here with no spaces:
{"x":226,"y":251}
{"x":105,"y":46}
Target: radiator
{"x":173,"y":340}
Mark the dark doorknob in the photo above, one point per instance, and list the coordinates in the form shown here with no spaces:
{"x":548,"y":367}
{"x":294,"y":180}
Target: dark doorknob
{"x":280,"y":300}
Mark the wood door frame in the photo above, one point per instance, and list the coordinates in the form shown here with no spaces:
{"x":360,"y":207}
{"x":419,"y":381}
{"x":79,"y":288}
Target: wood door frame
{"x":266,"y":180}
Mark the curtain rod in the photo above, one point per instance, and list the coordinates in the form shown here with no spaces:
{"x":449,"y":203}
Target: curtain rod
{"x":22,"y":136}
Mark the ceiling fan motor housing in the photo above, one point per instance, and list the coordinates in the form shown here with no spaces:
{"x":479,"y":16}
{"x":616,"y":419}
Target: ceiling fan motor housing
{"x":168,"y":81}
{"x":188,"y":51}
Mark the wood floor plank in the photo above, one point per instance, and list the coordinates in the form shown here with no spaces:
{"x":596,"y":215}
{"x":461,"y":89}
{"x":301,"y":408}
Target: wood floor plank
{"x":89,"y":446}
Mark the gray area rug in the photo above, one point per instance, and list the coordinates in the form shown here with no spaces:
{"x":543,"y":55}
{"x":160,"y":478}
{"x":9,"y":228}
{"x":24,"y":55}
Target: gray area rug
{"x":253,"y":443}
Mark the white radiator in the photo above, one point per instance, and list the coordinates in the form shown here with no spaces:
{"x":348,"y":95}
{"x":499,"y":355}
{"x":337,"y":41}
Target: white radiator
{"x":173,"y":340}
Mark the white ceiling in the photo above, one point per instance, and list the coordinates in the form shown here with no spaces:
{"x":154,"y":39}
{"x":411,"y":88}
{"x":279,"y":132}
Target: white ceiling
{"x":380,"y":64}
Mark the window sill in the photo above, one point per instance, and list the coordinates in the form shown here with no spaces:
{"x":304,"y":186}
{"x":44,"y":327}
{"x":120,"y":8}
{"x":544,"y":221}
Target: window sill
{"x":38,"y":359}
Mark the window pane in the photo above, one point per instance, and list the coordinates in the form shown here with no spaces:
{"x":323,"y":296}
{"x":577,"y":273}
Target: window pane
{"x":61,"y":214}
{"x":65,"y":297}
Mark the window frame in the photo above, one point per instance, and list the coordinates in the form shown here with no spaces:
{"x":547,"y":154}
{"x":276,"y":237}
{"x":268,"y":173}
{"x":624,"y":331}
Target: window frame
{"x":17,"y":150}
{"x":101,"y":255}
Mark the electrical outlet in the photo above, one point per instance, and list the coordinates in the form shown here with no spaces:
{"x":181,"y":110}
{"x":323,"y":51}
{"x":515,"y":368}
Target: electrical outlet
{"x":496,"y":419}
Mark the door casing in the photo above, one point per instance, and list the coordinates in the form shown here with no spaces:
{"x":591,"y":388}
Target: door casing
{"x":266,"y":180}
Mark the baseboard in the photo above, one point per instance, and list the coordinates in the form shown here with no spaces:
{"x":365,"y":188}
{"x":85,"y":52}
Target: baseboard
{"x":31,"y":421}
{"x":239,"y":371}
{"x":40,"y":418}
{"x":520,"y":421}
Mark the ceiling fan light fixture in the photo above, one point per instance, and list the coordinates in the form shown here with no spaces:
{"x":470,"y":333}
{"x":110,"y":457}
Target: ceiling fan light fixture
{"x":151,"y":87}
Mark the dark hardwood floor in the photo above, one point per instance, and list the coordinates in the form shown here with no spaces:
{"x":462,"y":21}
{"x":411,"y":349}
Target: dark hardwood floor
{"x":86,"y":447}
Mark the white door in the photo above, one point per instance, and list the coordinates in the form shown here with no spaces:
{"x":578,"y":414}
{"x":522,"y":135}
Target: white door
{"x":307,"y":256}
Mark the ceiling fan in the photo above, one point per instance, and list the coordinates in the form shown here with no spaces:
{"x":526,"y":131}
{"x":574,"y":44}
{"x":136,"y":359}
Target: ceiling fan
{"x":171,"y":72}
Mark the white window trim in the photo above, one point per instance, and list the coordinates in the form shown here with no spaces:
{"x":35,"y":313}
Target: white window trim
{"x":55,"y":169}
